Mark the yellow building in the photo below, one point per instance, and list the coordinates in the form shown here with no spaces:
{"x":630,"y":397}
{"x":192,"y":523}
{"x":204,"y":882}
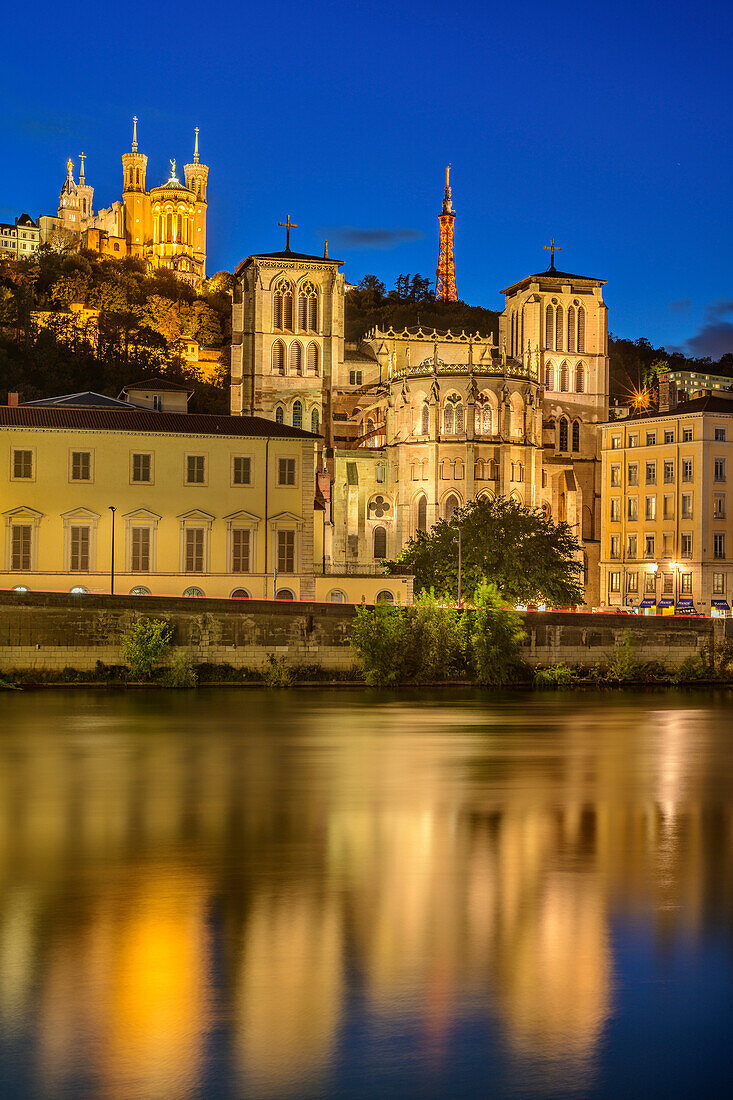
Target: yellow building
{"x":165,"y":226}
{"x":200,"y":505}
{"x":665,"y":523}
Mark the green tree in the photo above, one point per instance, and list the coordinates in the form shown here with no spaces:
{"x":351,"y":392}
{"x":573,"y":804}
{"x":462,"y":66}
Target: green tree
{"x":143,"y":644}
{"x":495,"y":638}
{"x":529,"y":558}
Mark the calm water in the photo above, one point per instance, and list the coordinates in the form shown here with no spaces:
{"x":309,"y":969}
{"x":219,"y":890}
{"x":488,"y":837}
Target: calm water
{"x":332,"y":894}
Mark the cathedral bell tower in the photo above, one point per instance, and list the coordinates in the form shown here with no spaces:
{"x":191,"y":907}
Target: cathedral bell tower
{"x":196,"y":176}
{"x":86,"y":195}
{"x":134,"y":198}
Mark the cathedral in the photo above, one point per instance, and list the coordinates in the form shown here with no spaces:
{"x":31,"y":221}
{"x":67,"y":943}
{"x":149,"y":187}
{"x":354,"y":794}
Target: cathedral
{"x":166,"y":226}
{"x":417,"y":423}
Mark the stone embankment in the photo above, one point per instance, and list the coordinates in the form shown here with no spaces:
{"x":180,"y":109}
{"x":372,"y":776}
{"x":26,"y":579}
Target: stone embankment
{"x":50,"y":632}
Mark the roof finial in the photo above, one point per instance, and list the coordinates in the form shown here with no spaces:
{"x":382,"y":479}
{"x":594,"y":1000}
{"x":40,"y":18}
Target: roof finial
{"x":287,"y":226}
{"x":447,"y":204}
{"x":325,"y":249}
{"x":134,"y":134}
{"x":196,"y":145}
{"x":81,"y":170}
{"x":70,"y":170}
{"x":552,"y":248}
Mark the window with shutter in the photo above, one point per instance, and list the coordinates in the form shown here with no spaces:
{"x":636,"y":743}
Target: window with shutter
{"x":194,"y":550}
{"x":79,"y":545}
{"x":240,"y":550}
{"x":286,"y":551}
{"x":20,"y":557}
{"x":140,"y":558}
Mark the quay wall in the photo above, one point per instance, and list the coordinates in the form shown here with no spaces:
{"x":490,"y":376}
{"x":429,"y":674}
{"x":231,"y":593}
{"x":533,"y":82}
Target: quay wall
{"x":52,"y":631}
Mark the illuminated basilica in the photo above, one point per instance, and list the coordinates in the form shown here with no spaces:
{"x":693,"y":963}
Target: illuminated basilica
{"x":166,"y":225}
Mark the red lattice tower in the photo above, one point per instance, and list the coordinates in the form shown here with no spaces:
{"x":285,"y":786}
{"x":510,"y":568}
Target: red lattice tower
{"x":445,"y":283}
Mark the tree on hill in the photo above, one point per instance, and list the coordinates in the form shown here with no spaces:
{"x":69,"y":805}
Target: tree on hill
{"x":368,"y":305}
{"x":528,"y":557}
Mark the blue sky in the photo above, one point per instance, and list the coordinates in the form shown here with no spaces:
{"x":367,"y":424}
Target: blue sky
{"x":606,"y":127}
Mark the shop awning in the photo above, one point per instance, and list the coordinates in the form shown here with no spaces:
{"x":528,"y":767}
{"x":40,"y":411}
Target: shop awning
{"x":685,"y":607}
{"x":664,"y":603}
{"x":722,"y":605}
{"x":648,"y":601}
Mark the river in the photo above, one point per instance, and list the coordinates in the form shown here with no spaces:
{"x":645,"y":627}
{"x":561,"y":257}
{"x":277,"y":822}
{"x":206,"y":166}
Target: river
{"x":312,"y":893}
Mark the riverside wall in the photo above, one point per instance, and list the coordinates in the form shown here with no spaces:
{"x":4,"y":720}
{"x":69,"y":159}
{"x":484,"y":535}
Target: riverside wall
{"x":52,"y":631}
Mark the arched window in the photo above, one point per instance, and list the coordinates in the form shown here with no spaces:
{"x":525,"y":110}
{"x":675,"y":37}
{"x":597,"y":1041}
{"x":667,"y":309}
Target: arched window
{"x":458,"y":470}
{"x":282,"y":305}
{"x":369,"y":426}
{"x":549,"y":373}
{"x":479,"y":470}
{"x":493,"y":470}
{"x":422,"y":514}
{"x":448,"y":420}
{"x":196,"y":593}
{"x":452,"y":505}
{"x":296,"y":358}
{"x":571,"y":328}
{"x":380,"y":542}
{"x":315,"y":421}
{"x":459,"y":418}
{"x":424,"y":419}
{"x":137,"y":177}
{"x":581,"y":329}
{"x":239,"y":594}
{"x":487,"y":426}
{"x":336,"y":596}
{"x":278,"y":357}
{"x":138,"y":590}
{"x":558,"y":329}
{"x":284,"y":594}
{"x":313,"y":312}
{"x":279,"y":415}
{"x":563,"y":434}
{"x":564,"y":378}
{"x":580,"y":378}
{"x":312,"y":359}
{"x":549,"y":315}
{"x":385,"y":597}
{"x":297,"y":414}
{"x":576,"y":435}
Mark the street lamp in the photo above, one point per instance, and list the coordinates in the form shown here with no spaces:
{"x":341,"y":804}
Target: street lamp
{"x":112,"y":554}
{"x":460,"y":565}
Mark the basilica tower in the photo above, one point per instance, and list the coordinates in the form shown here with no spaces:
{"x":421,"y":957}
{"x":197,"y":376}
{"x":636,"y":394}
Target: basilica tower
{"x":196,"y":176}
{"x":134,"y":197}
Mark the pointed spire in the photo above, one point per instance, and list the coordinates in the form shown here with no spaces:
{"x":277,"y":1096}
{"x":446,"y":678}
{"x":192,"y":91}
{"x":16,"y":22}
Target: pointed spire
{"x":447,"y":204}
{"x":81,"y":170}
{"x":325,"y":249}
{"x":196,"y":145}
{"x":134,"y":134}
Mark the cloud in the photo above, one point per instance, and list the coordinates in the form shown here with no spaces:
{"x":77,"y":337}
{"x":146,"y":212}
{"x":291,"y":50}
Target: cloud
{"x":680,"y":305}
{"x":715,"y":337}
{"x":349,"y":236}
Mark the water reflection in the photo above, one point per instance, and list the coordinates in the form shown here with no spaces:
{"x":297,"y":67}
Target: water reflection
{"x":312,"y":894}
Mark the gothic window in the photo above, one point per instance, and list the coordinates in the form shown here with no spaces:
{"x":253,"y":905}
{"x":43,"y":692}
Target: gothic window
{"x":479,"y":471}
{"x":380,"y":542}
{"x":446,"y":469}
{"x":422,"y":513}
{"x":571,"y":328}
{"x":137,"y":177}
{"x":278,"y":357}
{"x":312,"y":359}
{"x":279,"y":415}
{"x":576,"y":435}
{"x":563,"y":434}
{"x":549,"y":314}
{"x":458,"y":470}
{"x":487,"y":426}
{"x":296,"y":358}
{"x":308,"y":308}
{"x":459,"y":418}
{"x":315,"y":421}
{"x":581,"y":329}
{"x":452,"y":505}
{"x":297,"y":414}
{"x":558,"y":329}
{"x":564,"y":378}
{"x":448,"y":420}
{"x":580,"y":378}
{"x":282,"y":305}
{"x":369,"y":428}
{"x":169,"y":227}
{"x":494,"y":470}
{"x":549,"y":373}
{"x":424,"y":419}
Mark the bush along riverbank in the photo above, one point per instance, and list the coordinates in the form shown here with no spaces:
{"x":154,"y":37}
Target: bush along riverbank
{"x":393,"y":646}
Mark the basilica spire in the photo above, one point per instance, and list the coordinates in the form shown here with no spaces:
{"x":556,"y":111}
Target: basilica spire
{"x":134,"y":134}
{"x":81,"y":169}
{"x":196,"y":145}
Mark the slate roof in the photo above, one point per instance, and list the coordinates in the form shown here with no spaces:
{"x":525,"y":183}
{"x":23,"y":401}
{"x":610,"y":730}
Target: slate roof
{"x":133,"y":419}
{"x":288,"y":255}
{"x":155,"y":383}
{"x":88,"y":399}
{"x":697,"y":405}
{"x":553,"y":273}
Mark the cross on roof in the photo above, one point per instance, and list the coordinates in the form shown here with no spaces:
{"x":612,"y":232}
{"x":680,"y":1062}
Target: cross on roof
{"x":287,"y":226}
{"x":552,"y":248}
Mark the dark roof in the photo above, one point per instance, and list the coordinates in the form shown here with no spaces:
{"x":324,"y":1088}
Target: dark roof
{"x":553,"y":273}
{"x":26,"y":219}
{"x":288,"y":255}
{"x":697,"y":405}
{"x":155,"y":383}
{"x":86,"y":400}
{"x":133,"y":419}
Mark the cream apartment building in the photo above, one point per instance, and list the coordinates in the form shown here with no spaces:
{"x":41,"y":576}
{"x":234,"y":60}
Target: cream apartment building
{"x":666,"y":537}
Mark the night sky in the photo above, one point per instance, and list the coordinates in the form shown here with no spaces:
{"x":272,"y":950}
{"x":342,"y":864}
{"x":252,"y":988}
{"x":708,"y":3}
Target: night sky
{"x":605,"y":126}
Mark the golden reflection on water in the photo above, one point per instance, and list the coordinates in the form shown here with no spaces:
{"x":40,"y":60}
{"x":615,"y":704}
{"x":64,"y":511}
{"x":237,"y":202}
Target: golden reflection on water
{"x":170,"y":866}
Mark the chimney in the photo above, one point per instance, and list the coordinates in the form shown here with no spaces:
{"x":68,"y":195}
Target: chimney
{"x":667,"y":393}
{"x":13,"y":400}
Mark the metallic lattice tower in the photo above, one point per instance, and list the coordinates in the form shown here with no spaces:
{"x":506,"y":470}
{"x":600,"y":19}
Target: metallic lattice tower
{"x":445,"y":283}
